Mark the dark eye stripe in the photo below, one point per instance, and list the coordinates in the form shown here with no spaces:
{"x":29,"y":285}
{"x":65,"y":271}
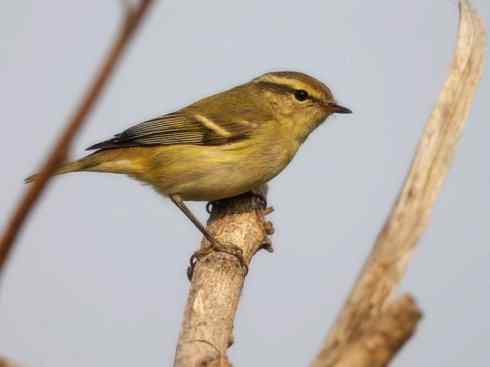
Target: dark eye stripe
{"x":286,"y":89}
{"x":277,"y":87}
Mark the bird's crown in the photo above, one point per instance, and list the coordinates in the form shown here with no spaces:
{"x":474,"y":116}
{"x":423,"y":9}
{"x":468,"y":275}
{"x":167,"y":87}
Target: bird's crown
{"x":296,"y":81}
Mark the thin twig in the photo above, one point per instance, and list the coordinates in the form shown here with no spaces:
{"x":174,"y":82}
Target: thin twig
{"x":409,"y":218}
{"x":216,"y":285}
{"x":60,"y":150}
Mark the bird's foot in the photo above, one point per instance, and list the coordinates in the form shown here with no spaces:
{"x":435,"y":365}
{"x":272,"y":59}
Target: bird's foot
{"x":260,"y":198}
{"x":216,"y":246}
{"x":262,"y":202}
{"x":212,"y":204}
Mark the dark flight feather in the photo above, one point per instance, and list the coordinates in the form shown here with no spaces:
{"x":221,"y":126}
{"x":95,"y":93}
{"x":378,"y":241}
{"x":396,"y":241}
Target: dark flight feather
{"x":178,"y":128}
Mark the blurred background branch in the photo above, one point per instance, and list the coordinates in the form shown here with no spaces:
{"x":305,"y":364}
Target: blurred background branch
{"x":4,"y":362}
{"x":132,"y":20}
{"x":386,"y":265}
{"x":383,"y":336}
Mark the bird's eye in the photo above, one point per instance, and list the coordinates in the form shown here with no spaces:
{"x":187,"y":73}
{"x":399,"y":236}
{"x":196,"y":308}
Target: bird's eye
{"x":301,"y":95}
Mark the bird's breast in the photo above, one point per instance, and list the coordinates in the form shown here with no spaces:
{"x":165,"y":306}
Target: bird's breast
{"x":207,"y":173}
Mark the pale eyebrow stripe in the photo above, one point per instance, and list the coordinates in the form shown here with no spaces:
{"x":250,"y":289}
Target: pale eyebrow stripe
{"x":211,"y":125}
{"x":292,"y":84}
{"x":286,"y":88}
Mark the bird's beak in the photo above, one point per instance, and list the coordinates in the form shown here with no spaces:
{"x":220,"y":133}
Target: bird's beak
{"x":336,"y":108}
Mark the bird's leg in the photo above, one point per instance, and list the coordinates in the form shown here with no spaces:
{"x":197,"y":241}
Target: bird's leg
{"x":215,"y":245}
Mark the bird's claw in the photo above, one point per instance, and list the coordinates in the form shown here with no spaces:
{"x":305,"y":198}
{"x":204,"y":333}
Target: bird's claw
{"x":256,"y":195}
{"x":261,"y":198}
{"x":233,"y":250}
{"x":209,"y":206}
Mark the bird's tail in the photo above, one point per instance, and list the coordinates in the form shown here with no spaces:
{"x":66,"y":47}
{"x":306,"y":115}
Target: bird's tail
{"x":83,"y":164}
{"x":128,"y":161}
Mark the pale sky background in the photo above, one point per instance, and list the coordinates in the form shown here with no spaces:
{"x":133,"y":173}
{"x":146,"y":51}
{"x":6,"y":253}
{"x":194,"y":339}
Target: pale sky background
{"x":98,"y":276}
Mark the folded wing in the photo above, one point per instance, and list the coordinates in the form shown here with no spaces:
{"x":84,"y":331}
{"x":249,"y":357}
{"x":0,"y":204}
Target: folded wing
{"x":179,"y":128}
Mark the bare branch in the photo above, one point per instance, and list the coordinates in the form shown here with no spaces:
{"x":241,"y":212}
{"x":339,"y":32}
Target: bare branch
{"x":60,"y":149}
{"x":4,"y":362}
{"x":127,"y":6}
{"x":410,"y":214}
{"x":383,"y":338}
{"x":217,"y":283}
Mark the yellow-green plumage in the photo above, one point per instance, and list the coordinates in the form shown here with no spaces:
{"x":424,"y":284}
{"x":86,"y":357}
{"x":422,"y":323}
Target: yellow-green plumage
{"x":221,"y":146}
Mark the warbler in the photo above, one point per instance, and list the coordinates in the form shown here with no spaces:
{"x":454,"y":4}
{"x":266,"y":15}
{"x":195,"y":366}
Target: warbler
{"x":220,"y":146}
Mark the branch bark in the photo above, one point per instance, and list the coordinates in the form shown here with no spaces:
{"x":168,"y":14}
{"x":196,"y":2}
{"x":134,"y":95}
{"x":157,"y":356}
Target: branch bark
{"x":384,"y":336}
{"x":207,"y":328}
{"x":409,"y":217}
{"x":60,"y":149}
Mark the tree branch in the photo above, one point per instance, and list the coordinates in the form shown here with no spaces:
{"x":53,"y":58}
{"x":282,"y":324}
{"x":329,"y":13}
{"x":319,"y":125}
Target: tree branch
{"x":60,"y":149}
{"x":4,"y":362}
{"x":217,"y":283}
{"x":383,"y":337}
{"x":388,"y":261}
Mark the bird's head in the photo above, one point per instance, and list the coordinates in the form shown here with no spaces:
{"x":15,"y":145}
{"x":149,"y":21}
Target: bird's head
{"x":297,"y":99}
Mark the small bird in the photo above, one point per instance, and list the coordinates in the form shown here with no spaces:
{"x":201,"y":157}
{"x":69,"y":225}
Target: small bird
{"x":220,"y":146}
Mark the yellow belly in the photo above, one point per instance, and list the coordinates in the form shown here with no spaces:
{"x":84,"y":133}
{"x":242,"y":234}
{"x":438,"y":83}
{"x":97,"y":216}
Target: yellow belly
{"x":206,"y":173}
